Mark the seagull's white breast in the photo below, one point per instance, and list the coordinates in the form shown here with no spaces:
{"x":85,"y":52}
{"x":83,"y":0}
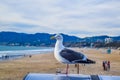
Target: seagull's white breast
{"x":58,"y":48}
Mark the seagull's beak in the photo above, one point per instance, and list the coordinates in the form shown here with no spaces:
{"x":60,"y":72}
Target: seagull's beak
{"x":52,"y":37}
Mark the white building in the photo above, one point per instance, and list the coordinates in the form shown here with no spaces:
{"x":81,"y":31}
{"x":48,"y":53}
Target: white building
{"x":108,"y":40}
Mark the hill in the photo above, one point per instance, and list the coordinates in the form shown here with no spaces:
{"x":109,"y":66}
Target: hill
{"x":43,"y":39}
{"x":38,"y":39}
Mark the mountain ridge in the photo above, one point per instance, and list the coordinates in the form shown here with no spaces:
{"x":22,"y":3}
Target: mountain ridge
{"x":43,"y":39}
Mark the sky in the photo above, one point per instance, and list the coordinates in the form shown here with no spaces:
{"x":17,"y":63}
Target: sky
{"x":82,"y":18}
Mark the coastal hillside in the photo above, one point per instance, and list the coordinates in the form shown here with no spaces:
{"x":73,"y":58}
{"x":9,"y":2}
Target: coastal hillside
{"x":43,"y":39}
{"x":38,"y":39}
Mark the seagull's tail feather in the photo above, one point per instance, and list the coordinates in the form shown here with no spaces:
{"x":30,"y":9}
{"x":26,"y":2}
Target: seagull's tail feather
{"x":88,"y":61}
{"x":91,"y":61}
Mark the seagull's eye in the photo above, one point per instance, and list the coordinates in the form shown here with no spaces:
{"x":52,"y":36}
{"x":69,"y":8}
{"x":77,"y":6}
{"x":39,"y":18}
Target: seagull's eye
{"x":58,"y":37}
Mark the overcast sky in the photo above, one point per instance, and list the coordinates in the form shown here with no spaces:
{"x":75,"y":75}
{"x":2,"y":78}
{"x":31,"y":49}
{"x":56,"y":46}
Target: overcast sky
{"x":81,"y":18}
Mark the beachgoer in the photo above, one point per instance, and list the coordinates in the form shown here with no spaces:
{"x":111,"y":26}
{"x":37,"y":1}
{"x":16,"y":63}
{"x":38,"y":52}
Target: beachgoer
{"x":30,"y":56}
{"x":104,"y":65}
{"x":108,"y":63}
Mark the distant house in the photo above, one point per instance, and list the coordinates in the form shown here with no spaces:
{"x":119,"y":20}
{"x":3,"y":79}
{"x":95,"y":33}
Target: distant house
{"x":108,"y":40}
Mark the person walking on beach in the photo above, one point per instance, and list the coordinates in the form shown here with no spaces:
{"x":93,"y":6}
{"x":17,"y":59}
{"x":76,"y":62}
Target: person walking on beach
{"x":104,"y":65}
{"x":108,"y":64}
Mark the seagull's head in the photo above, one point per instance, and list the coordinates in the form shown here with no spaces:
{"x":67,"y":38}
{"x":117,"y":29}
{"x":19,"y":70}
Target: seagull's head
{"x":57,"y":37}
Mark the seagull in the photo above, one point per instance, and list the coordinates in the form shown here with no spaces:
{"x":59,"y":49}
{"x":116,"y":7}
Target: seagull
{"x":68,"y":56}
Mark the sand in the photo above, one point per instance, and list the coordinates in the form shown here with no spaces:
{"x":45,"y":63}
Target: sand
{"x":46,"y":63}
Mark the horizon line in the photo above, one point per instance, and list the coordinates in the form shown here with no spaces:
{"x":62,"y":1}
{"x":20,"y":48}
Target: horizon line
{"x":62,"y":33}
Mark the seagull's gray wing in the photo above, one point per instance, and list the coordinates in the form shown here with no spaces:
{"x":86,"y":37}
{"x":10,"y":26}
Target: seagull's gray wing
{"x":71,"y":55}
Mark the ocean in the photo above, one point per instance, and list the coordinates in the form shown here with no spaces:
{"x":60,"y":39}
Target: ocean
{"x":10,"y":52}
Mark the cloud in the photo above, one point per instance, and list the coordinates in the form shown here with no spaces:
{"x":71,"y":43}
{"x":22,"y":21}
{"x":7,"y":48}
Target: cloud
{"x":76,"y":17}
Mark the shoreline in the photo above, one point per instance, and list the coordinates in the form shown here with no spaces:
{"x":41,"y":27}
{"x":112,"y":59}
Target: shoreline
{"x":46,"y":63}
{"x":15,"y":57}
{"x":18,"y":54}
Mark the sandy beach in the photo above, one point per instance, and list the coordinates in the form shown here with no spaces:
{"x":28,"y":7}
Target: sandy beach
{"x":46,"y":63}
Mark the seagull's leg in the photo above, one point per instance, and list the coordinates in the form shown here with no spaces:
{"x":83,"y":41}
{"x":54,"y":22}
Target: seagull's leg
{"x":77,"y":68}
{"x":67,"y":68}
